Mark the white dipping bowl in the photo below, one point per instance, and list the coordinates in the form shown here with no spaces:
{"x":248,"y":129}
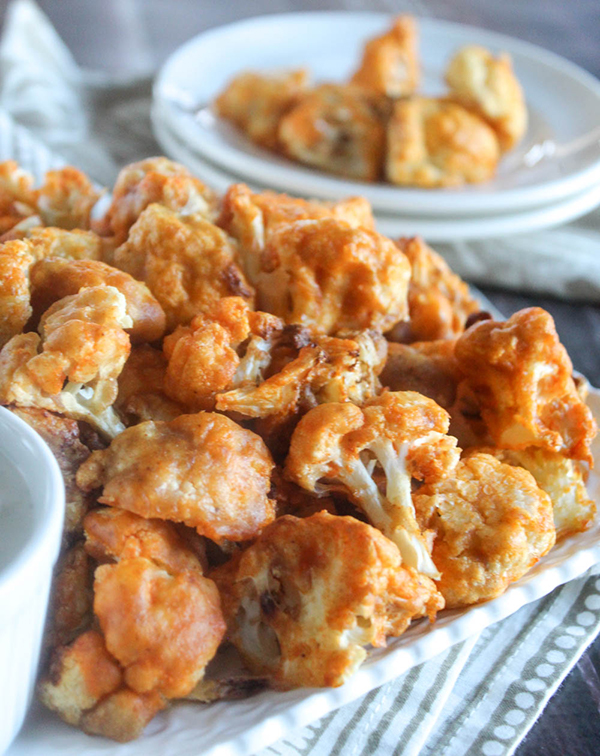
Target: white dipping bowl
{"x":32,"y":505}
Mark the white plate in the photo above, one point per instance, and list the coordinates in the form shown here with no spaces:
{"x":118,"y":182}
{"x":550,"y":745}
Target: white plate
{"x":434,"y":229}
{"x":563,"y":99}
{"x":240,"y":728}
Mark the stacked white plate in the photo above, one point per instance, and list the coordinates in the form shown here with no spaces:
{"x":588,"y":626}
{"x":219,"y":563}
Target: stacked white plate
{"x":552,"y":177}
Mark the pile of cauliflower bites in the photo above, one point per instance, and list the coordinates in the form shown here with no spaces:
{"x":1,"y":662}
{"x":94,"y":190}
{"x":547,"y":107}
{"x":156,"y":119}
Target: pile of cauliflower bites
{"x":279,"y":431}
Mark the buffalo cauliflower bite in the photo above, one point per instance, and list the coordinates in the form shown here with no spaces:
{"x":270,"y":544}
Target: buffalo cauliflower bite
{"x":142,"y":393}
{"x":328,"y":275}
{"x":250,"y":217}
{"x":73,"y":366}
{"x":434,"y":142}
{"x":303,"y":600}
{"x":372,"y":454}
{"x":521,"y":376}
{"x":338,"y":128}
{"x":255,"y":102}
{"x":70,"y":245}
{"x":155,"y":180}
{"x":203,"y":470}
{"x":390,"y":63}
{"x":491,"y":522}
{"x":562,"y":479}
{"x":15,"y":305}
{"x":55,"y":278}
{"x":439,"y":301}
{"x":17,"y":196}
{"x":66,"y":199}
{"x":187,"y":263}
{"x":488,"y":86}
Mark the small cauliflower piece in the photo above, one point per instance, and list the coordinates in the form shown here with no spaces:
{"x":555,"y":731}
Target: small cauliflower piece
{"x":390,"y":62}
{"x":437,"y":143}
{"x":55,"y":278}
{"x":439,"y":301}
{"x":66,"y":199}
{"x":203,"y":470}
{"x":338,"y":128}
{"x":15,"y":305}
{"x":187,"y":263}
{"x":562,"y":479}
{"x":522,"y":378}
{"x":303,"y":600}
{"x":492,"y":523}
{"x":394,"y":438}
{"x":17,"y":196}
{"x":72,"y":368}
{"x":155,"y":180}
{"x":488,"y":86}
{"x":256,"y":102}
{"x":70,"y":245}
{"x":330,"y":276}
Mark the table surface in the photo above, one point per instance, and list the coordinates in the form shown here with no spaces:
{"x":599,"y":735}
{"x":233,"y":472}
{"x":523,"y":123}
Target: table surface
{"x":135,"y":36}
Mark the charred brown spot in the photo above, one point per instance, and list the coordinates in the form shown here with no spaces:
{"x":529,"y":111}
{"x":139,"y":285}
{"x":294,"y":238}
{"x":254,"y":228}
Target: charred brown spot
{"x":477,"y":317}
{"x":235,"y":282}
{"x":267,"y":604}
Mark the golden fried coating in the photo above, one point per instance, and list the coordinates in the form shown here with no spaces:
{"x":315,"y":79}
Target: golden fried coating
{"x":142,"y":388}
{"x":70,"y":245}
{"x":162,"y":627}
{"x":250,"y":217}
{"x":17,"y":196}
{"x":155,"y":180}
{"x":122,"y":715}
{"x":64,"y":439}
{"x":521,"y":376}
{"x":66,"y":199}
{"x":256,"y":102}
{"x":427,"y":367}
{"x":338,"y":128}
{"x":439,"y":301}
{"x":488,"y":86}
{"x":328,"y":275}
{"x":15,"y":306}
{"x":203,"y":470}
{"x":54,"y":278}
{"x":561,"y":479}
{"x":371,"y":455}
{"x":304,"y":599}
{"x":186,"y":263}
{"x":72,"y":368}
{"x":390,"y":63}
{"x":492,"y":524}
{"x":436,"y":142}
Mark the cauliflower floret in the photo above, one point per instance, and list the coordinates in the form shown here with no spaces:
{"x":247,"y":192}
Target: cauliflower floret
{"x":390,"y":63}
{"x":256,"y":102}
{"x":155,"y":180}
{"x":72,"y":368}
{"x":309,"y":594}
{"x":66,"y":199}
{"x":562,"y":479}
{"x":521,"y":376}
{"x":250,"y":217}
{"x":338,"y":128}
{"x":71,"y":245}
{"x":203,"y":470}
{"x":142,"y":388}
{"x":435,"y":142}
{"x":15,"y":306}
{"x":328,"y":275}
{"x":17,"y":196}
{"x":488,"y":86}
{"x":492,"y":524}
{"x":186,"y":263}
{"x":339,"y":447}
{"x":55,"y":278}
{"x":439,"y":301}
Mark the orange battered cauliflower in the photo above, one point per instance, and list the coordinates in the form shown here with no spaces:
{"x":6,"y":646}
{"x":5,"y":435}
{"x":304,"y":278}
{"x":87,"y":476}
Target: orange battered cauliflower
{"x":372,"y":454}
{"x":66,"y":199}
{"x":71,"y":245}
{"x":390,"y":63}
{"x":15,"y":306}
{"x":203,"y":470}
{"x":17,"y":196}
{"x":72,"y":368}
{"x":155,"y":180}
{"x":187,"y":263}
{"x":522,"y":379}
{"x":303,"y":601}
{"x":491,"y":522}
